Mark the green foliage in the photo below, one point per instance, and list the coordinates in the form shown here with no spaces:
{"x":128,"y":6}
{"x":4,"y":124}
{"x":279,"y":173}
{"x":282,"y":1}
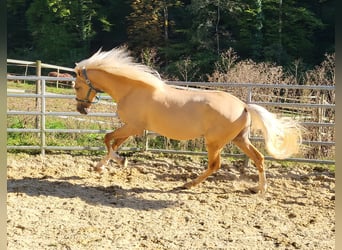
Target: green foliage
{"x":64,"y":32}
{"x":56,"y":125}
{"x":250,"y":31}
{"x":52,"y":139}
{"x":15,"y":122}
{"x":19,"y":39}
{"x":150,"y":23}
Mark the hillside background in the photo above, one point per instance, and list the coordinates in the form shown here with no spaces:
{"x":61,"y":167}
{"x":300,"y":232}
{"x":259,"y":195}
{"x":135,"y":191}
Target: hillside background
{"x":183,"y":40}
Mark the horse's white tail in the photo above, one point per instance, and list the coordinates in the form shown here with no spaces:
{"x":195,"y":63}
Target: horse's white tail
{"x":282,"y":135}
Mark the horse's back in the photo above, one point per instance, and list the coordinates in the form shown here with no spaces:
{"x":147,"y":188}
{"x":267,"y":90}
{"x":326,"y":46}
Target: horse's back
{"x":214,"y":103}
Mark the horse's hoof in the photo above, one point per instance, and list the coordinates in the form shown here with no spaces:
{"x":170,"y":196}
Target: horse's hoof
{"x":125,"y":162}
{"x":258,"y":189}
{"x":263,"y":189}
{"x":100,"y":169}
{"x":188,"y":185}
{"x":180,"y":188}
{"x":254,"y":190}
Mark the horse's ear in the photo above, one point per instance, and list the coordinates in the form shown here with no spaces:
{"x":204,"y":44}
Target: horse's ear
{"x":78,"y":72}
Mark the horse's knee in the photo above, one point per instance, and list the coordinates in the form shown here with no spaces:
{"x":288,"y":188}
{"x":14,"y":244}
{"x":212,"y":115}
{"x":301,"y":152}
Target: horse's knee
{"x":107,"y":140}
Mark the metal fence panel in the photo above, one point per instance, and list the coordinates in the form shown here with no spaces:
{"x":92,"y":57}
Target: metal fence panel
{"x":43,"y":113}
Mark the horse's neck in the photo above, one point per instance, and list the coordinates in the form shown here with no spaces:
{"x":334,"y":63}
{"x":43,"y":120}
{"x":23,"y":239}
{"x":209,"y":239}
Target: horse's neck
{"x":115,"y":86}
{"x":118,"y":86}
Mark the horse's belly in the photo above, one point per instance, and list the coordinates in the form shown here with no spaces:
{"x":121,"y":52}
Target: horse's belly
{"x":178,"y":130}
{"x":196,"y":117}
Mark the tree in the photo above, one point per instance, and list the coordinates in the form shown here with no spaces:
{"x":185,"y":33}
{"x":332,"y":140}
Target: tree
{"x":19,"y":39}
{"x":64,"y":31}
{"x":149,"y":23}
{"x":111,"y":24}
{"x":288,"y":31}
{"x":250,"y":23}
{"x":210,"y":31}
{"x":61,"y":29}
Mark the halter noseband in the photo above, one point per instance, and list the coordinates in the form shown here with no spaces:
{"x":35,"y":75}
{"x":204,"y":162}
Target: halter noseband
{"x":91,"y":87}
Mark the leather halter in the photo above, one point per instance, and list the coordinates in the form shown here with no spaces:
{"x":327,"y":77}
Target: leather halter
{"x":91,"y":88}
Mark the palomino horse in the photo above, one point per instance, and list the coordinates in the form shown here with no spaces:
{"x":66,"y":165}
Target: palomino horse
{"x":145,"y":102}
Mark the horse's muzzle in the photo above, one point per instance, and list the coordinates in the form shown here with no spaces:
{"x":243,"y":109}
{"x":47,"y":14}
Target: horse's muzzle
{"x":82,"y":109}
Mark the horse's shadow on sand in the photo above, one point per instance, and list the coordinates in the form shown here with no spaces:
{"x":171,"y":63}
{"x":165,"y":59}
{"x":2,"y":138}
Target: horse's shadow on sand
{"x":113,"y":196}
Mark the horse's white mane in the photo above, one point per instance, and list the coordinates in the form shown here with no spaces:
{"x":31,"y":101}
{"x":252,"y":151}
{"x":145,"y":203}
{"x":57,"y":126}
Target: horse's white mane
{"x":119,"y":62}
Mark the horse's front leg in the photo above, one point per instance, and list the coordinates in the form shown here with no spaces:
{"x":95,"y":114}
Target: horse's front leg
{"x":118,"y":137}
{"x":122,"y":161}
{"x":111,"y":153}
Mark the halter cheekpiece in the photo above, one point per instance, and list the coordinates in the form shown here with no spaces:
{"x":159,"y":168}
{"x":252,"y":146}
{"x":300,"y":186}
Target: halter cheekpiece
{"x":91,"y":87}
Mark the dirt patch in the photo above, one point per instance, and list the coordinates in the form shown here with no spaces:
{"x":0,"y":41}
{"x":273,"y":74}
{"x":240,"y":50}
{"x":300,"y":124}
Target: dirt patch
{"x":60,"y":203}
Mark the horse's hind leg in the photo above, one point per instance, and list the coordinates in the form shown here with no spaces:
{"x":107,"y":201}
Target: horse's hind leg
{"x":243,"y":142}
{"x":214,"y":164}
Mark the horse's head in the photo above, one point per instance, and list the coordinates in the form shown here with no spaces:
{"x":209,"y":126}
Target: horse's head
{"x":85,"y":91}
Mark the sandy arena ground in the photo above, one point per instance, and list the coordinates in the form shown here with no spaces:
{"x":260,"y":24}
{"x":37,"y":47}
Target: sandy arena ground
{"x":61,"y":203}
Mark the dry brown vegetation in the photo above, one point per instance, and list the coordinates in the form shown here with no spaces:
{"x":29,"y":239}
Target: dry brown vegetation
{"x":231,"y":70}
